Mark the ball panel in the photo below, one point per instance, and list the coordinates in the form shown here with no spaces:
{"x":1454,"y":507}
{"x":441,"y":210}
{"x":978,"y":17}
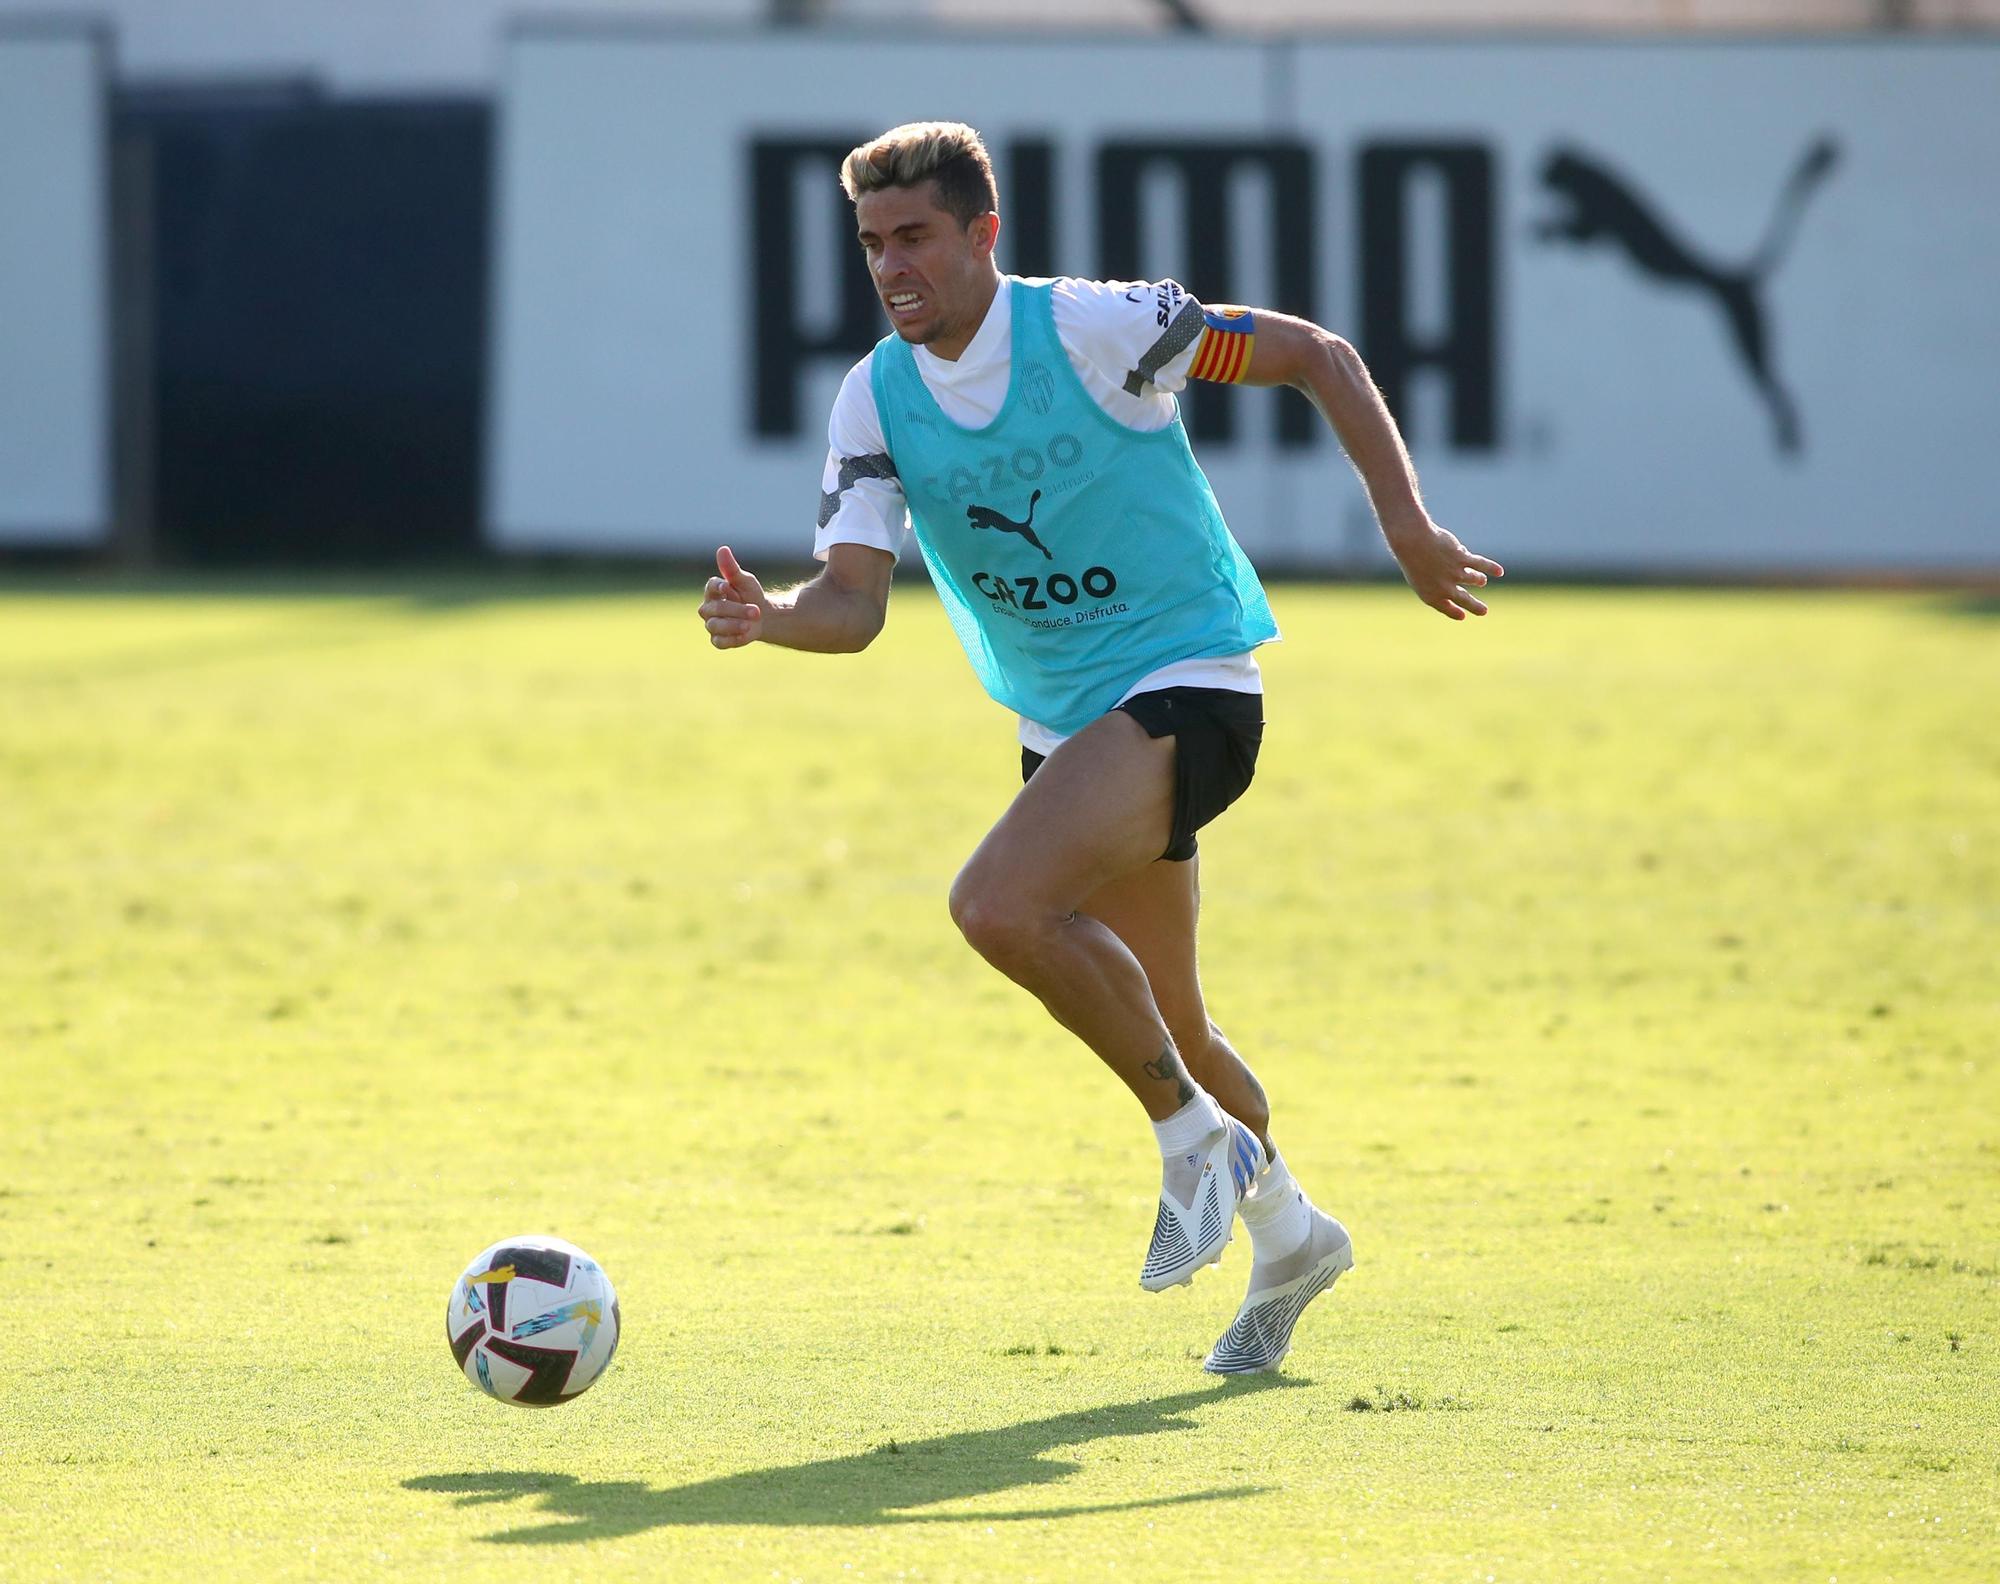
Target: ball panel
{"x":466,"y":1340}
{"x":496,"y":1377}
{"x":595,"y":1356}
{"x":546,"y":1369}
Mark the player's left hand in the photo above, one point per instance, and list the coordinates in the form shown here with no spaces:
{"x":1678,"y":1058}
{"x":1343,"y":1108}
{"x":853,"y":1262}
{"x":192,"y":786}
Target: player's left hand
{"x":1441,"y":570}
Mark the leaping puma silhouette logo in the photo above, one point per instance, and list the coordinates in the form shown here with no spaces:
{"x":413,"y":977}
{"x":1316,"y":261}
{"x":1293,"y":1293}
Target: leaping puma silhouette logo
{"x":1603,"y":207}
{"x":987,"y":517}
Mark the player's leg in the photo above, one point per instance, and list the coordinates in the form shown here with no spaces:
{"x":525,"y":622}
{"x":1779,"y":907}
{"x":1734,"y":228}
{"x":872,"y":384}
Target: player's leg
{"x":1100,"y":807}
{"x":1297,"y":1249}
{"x":1156,"y":912}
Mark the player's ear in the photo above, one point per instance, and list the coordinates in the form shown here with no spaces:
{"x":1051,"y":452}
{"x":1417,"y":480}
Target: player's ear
{"x":985,"y":232}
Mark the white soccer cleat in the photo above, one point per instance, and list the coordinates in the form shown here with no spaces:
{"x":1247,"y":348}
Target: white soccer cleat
{"x":1280,"y":1289}
{"x":1199,"y":1193}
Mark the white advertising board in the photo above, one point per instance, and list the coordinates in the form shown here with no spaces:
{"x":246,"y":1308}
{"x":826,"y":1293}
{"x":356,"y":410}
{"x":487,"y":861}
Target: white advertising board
{"x":1642,"y":308}
{"x":54,"y":348}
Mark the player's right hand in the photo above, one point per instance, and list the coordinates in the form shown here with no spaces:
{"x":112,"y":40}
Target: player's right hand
{"x":732,"y":607}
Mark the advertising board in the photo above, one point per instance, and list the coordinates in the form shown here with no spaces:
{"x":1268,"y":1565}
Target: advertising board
{"x":1641,"y":307}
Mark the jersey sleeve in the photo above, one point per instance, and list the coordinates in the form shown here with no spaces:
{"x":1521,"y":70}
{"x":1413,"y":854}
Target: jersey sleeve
{"x":860,"y":496}
{"x":1141,"y":335}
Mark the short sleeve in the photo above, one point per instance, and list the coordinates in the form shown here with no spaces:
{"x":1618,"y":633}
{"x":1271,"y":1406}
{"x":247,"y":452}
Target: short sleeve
{"x":1140,"y":335}
{"x":861,"y":498}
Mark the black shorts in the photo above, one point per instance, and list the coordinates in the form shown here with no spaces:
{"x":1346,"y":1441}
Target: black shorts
{"x":1216,"y":733}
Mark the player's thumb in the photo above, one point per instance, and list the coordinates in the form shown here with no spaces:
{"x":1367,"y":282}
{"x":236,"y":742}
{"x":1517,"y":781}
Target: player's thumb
{"x":732,"y":569}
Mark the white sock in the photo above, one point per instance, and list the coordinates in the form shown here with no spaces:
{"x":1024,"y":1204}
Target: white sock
{"x":1278,"y":1216}
{"x":1183,"y":1132}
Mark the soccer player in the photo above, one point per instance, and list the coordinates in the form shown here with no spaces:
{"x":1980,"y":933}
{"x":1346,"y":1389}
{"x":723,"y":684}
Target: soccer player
{"x":1028,"y":430}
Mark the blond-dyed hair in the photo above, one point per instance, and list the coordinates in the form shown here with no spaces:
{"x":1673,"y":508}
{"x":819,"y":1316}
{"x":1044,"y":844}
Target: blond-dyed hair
{"x":947,"y":152}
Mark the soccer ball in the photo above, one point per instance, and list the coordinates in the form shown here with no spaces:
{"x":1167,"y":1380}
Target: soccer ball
{"x":533,"y":1321}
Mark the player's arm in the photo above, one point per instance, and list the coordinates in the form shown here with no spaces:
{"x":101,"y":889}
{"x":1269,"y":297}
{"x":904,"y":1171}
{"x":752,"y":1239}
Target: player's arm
{"x":862,"y":519}
{"x":838,"y":612}
{"x":1239,"y":346}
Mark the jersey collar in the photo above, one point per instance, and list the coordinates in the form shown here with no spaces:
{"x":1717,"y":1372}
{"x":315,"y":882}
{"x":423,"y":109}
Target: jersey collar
{"x":991,"y":344}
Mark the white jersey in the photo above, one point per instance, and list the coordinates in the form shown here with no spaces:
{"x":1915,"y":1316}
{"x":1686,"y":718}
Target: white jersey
{"x":1111,"y":331}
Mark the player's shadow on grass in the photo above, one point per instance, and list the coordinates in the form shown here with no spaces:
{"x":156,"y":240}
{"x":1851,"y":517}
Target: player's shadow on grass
{"x":882,"y":1486}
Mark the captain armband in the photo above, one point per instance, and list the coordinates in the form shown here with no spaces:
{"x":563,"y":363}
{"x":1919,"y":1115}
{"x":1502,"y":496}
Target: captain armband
{"x":1227,"y":335}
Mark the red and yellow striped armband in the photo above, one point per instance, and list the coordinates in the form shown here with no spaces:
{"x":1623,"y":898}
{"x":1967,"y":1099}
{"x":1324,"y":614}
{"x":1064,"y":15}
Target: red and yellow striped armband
{"x":1227,"y":335}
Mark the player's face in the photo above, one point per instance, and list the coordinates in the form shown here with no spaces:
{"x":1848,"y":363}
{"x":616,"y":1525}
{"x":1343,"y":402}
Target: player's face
{"x":935,"y":277}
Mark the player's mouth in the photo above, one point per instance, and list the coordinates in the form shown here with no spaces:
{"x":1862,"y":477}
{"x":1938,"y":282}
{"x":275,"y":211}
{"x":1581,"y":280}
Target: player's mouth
{"x":904,"y":304}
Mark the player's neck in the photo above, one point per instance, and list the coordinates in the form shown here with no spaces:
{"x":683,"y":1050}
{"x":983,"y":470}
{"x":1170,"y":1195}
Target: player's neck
{"x":952,"y":348}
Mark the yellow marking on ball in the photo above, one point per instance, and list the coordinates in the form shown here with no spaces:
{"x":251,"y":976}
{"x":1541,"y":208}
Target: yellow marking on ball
{"x":499,"y":1273}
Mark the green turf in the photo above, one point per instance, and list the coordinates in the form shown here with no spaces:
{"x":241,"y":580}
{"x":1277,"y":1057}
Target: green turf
{"x":1622,"y":969}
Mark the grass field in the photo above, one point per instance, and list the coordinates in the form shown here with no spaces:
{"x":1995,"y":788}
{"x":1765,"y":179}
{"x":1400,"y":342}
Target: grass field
{"x":1622,"y":969}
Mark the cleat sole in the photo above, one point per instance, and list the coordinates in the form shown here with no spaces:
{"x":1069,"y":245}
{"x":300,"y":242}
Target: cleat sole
{"x":1194,"y":1271}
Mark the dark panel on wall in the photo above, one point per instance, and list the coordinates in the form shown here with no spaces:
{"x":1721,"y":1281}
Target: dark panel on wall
{"x":319,"y":325}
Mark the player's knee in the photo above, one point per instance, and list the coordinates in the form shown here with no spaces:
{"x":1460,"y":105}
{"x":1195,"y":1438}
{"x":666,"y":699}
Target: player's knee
{"x":1001,"y":928}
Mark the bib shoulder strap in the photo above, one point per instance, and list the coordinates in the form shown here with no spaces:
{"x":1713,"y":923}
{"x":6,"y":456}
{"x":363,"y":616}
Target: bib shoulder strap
{"x":894,"y":369}
{"x":1035,"y":325}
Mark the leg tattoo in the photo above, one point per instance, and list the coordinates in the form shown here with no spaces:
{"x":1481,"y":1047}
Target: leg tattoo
{"x":1167,"y":1068}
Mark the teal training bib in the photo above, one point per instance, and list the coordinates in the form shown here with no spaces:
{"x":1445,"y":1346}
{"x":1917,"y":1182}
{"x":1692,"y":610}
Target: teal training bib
{"x":1074,"y":555}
